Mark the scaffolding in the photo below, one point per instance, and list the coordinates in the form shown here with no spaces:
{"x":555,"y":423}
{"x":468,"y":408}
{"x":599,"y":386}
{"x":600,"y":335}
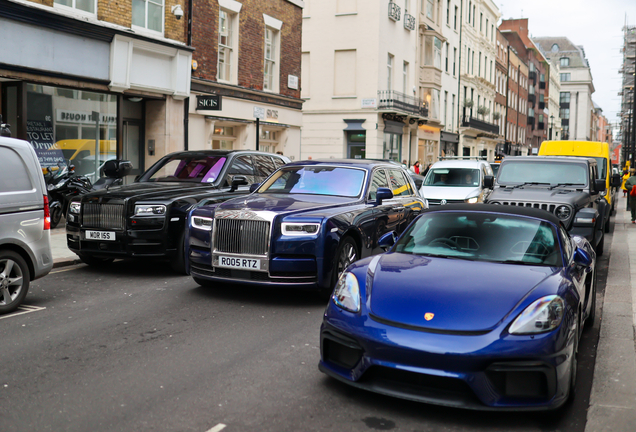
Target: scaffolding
{"x":628,"y":72}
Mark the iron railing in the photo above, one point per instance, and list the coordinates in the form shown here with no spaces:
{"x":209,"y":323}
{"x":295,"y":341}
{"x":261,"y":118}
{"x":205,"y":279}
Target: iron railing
{"x":394,"y":11}
{"x":474,"y":123}
{"x":409,"y":22}
{"x":393,"y":100}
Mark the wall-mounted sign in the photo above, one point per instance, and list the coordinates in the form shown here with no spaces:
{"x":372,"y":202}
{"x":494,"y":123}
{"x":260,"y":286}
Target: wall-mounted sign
{"x":292,"y":82}
{"x":272,"y":114}
{"x":369,"y":103}
{"x":259,"y":113}
{"x":66,"y":116}
{"x":209,"y":102}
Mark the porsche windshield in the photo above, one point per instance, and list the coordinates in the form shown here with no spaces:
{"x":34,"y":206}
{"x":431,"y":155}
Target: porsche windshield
{"x":457,"y":177}
{"x":316,"y":180}
{"x":550,"y":173}
{"x":478,"y":236}
{"x":186,"y":168}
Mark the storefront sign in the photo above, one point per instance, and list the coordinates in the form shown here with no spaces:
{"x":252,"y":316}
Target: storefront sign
{"x":209,"y":102}
{"x":66,"y":116}
{"x":40,"y":134}
{"x":292,"y":82}
{"x":369,"y":103}
{"x":272,"y":114}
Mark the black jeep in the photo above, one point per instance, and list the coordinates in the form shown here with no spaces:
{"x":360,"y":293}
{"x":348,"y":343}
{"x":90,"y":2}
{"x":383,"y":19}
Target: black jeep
{"x":147,"y":218}
{"x":565,"y":186}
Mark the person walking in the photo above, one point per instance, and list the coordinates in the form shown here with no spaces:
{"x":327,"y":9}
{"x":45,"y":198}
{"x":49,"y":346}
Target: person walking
{"x":625,"y":177}
{"x":631,"y":199}
{"x":416,"y":167}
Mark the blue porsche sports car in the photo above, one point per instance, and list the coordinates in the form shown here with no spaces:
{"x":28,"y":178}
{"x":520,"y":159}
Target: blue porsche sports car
{"x":473,"y":306}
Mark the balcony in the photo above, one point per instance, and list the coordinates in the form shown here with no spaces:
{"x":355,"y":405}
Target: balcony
{"x":541,"y":105}
{"x":542,"y":85}
{"x":474,"y":123}
{"x":396,"y":101}
{"x":532,"y":99}
{"x":409,"y":22}
{"x":532,"y":76}
{"x":540,"y":125}
{"x":394,"y":11}
{"x":531,"y":122}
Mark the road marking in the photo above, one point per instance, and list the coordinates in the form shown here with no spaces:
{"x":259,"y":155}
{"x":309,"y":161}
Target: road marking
{"x":24,"y":309}
{"x":217,"y":428}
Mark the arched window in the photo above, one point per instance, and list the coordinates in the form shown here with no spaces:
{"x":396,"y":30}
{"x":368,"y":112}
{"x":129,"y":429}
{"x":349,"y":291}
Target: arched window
{"x":555,"y":48}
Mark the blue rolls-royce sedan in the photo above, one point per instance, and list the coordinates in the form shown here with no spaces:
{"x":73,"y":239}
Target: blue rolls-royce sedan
{"x":474,"y":306}
{"x":303,"y":225}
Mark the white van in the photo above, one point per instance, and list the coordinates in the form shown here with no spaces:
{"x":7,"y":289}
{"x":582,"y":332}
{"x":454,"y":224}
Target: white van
{"x":457,"y":181}
{"x":25,"y":222}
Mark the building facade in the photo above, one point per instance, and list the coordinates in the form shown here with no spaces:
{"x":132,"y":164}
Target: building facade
{"x":361,"y":80}
{"x":95,"y":79}
{"x":246,"y":76}
{"x":577,"y":87}
{"x":517,"y":106}
{"x":554,"y":110}
{"x":627,"y":130}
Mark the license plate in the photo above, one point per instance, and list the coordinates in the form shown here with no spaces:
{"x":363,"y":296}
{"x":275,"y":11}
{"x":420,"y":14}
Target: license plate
{"x":239,"y":263}
{"x":99,"y":235}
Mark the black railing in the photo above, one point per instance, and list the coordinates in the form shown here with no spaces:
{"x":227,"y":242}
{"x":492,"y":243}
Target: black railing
{"x":532,"y":76}
{"x":394,"y":11}
{"x":532,"y":98}
{"x":542,"y":85}
{"x":541,"y":105}
{"x":409,"y":22}
{"x":540,"y":125}
{"x":531,"y":122}
{"x":474,"y":123}
{"x":393,"y":100}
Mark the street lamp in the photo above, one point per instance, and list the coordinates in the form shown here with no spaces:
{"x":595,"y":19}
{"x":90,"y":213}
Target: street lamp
{"x":551,"y":125}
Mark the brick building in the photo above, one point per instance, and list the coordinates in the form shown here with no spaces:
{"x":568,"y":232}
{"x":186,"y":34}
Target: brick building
{"x":501,"y":85}
{"x":246,"y":66}
{"x":74,"y":71}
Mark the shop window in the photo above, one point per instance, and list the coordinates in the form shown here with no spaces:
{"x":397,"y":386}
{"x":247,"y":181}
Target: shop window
{"x":81,"y":5}
{"x":148,"y":14}
{"x":392,"y":146}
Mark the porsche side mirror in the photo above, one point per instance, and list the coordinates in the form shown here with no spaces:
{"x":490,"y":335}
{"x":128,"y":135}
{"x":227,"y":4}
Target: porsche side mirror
{"x":489,"y":181}
{"x":238,"y":180}
{"x":254,"y":186}
{"x":582,"y":258}
{"x":383,"y":194}
{"x":387,"y":240}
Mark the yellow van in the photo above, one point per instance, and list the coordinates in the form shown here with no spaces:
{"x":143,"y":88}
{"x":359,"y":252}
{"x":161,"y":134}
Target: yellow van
{"x":81,"y":152}
{"x":599,"y":151}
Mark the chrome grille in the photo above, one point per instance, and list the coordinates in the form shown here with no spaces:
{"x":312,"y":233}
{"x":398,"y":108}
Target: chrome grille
{"x":438,"y":201}
{"x":110,"y":216}
{"x":543,"y":206}
{"x":249,"y":237}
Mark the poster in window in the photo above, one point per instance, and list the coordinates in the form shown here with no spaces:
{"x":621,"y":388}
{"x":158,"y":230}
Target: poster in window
{"x":40,"y":129}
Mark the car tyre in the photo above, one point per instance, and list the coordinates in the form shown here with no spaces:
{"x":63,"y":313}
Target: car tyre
{"x":346,"y":254}
{"x":95,"y":261}
{"x":178,"y":262}
{"x":56,"y":216}
{"x":14,"y":280}
{"x":589,"y":322}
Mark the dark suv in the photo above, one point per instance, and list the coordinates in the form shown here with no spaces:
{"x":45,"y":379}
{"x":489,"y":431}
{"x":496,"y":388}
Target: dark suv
{"x":147,"y":218}
{"x":565,"y":186}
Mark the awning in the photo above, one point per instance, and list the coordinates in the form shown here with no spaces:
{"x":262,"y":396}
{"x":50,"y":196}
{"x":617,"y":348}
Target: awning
{"x":354,"y":125}
{"x":393,"y":127}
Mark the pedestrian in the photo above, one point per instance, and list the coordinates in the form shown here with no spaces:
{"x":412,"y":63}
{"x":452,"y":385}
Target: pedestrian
{"x":428,"y":167}
{"x":631,"y":199}
{"x":416,"y":167}
{"x":625,"y":177}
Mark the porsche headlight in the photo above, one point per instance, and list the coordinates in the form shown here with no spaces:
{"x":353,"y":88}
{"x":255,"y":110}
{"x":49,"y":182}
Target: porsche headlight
{"x":347,"y":293}
{"x":300,"y":229}
{"x":202,"y":223}
{"x":150,"y":210}
{"x":472,"y":200}
{"x":541,"y":316}
{"x":75,"y":207}
{"x":563,"y":212}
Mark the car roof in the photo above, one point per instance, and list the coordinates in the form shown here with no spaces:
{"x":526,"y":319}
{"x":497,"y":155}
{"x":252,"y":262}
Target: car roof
{"x":218,"y":153}
{"x":459,"y":163}
{"x":354,"y":163}
{"x":571,"y":159}
{"x":502,"y":209}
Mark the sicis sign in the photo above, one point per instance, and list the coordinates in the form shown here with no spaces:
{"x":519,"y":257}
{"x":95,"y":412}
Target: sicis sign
{"x":209,"y":102}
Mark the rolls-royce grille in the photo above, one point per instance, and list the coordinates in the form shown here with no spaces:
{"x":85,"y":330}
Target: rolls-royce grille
{"x":543,"y":206}
{"x":249,"y":237}
{"x":109,"y":216}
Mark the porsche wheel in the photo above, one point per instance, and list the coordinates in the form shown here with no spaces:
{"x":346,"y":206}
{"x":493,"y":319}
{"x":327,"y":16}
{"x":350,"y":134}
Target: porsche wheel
{"x":14,"y":280}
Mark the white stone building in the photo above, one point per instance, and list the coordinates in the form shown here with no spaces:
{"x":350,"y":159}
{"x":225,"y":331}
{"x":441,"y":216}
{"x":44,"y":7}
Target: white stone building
{"x":554,"y":115}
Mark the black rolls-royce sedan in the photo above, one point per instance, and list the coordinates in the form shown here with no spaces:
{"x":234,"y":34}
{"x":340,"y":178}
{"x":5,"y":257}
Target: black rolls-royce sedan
{"x":146,"y":218}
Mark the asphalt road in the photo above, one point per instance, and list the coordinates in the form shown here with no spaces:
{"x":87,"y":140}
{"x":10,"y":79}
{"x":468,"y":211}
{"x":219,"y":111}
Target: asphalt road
{"x":136,"y":348}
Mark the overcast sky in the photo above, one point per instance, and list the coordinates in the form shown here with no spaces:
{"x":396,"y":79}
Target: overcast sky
{"x":597,"y":25}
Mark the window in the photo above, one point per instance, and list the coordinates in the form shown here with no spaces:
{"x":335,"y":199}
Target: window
{"x":433,"y":51}
{"x":226,"y":52}
{"x":455,"y":19}
{"x":244,"y":166}
{"x":564,"y":113}
{"x":389,"y":71}
{"x":429,"y":9}
{"x":564,"y":97}
{"x":454,"y":59}
{"x":479,"y":65}
{"x":83,"y":5}
{"x":486,"y":27}
{"x":146,"y":13}
{"x":377,"y":181}
{"x":468,"y":62}
{"x":565,"y":61}
{"x":453,"y":114}
{"x":446,"y":57}
{"x":445,"y":107}
{"x":481,"y":22}
{"x":345,"y":73}
{"x":554,"y":48}
{"x":565,"y":76}
{"x":474,"y":13}
{"x":399,"y":185}
{"x":405,"y":77}
{"x":270,"y":68}
{"x":470,"y":4}
{"x":448,"y":12}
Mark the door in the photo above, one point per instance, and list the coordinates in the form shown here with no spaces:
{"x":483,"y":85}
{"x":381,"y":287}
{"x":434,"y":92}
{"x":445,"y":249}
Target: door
{"x":132,"y":148}
{"x":384,"y":215}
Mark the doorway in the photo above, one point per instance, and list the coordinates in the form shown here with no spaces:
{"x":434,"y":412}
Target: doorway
{"x":132,"y":148}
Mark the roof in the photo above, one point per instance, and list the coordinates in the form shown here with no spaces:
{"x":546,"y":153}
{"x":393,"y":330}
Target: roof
{"x":459,"y":163}
{"x":571,"y":159}
{"x":566,"y":47}
{"x":502,"y":209}
{"x":216,"y":152}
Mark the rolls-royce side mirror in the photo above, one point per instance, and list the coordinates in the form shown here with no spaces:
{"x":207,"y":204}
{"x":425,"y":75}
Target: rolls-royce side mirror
{"x":383,"y":194}
{"x":238,"y":180}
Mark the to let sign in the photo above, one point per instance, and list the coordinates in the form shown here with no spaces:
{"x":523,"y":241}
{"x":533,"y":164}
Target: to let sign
{"x":209,"y":102}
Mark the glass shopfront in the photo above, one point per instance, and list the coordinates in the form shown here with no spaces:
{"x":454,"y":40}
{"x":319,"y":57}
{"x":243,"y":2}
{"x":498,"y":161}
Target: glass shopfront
{"x":77,"y":126}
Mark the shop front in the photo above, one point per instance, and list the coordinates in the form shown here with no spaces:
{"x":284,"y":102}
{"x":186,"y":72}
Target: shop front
{"x":428,"y":144}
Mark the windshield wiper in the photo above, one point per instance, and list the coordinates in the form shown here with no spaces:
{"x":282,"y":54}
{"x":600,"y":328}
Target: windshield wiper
{"x":521,"y":262}
{"x":566,"y":184}
{"x":529,"y":183}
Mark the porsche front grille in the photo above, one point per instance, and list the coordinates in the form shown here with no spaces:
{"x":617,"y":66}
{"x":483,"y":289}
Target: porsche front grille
{"x":246,"y":237}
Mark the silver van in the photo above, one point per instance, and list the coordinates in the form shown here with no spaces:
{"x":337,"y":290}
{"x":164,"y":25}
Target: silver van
{"x":25,"y":222}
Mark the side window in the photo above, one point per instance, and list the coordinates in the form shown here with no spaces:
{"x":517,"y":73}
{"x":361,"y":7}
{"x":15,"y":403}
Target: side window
{"x":378,"y":180}
{"x":15,"y":175}
{"x":567,"y":245}
{"x":242,"y":165}
{"x":278,"y":162}
{"x":399,"y":185}
{"x":264,"y":166}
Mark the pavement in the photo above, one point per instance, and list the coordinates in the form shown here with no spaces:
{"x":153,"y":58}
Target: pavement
{"x":613,"y":397}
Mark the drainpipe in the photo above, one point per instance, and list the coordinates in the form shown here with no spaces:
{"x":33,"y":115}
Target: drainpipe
{"x":186,"y":101}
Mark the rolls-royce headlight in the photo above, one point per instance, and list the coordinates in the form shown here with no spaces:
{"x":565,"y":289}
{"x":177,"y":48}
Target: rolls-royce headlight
{"x":563,"y":212}
{"x":150,"y":210}
{"x":202,"y":223}
{"x":472,"y":200}
{"x":75,"y":207}
{"x":346,"y":295}
{"x":541,"y":316}
{"x":300,"y":229}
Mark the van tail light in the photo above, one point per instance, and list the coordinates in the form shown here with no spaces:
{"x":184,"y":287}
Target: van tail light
{"x":47,"y":213}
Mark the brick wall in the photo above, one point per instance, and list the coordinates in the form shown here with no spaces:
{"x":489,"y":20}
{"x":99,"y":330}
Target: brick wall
{"x":251,"y":41}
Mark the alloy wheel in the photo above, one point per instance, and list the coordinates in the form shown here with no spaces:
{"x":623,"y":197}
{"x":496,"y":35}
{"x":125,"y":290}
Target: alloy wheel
{"x":11,"y":281}
{"x":347,"y":256}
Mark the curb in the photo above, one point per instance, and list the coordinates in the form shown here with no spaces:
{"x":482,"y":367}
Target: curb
{"x":65,"y":262}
